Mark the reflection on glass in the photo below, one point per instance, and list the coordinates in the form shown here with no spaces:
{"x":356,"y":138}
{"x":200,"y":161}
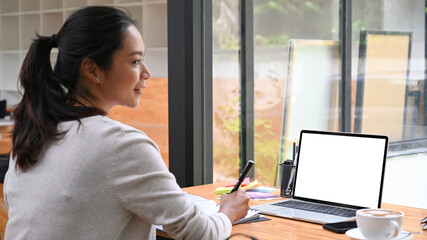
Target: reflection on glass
{"x":383,"y":64}
{"x":293,"y":90}
{"x":311,"y":94}
{"x":391,"y":78}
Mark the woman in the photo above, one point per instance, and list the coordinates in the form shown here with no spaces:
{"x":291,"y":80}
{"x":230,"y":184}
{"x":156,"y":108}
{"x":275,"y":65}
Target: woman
{"x":75,"y":173}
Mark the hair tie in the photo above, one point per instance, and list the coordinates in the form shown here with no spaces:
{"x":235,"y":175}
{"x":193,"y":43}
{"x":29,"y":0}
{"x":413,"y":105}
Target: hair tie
{"x":53,"y":41}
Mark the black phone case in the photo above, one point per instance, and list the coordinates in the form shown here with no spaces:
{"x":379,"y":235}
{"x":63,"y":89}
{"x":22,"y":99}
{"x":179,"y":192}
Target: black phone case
{"x":340,"y":227}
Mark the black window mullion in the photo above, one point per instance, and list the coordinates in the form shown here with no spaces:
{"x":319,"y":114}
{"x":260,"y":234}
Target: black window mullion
{"x":246,"y":83}
{"x":345,"y":28}
{"x":207,"y":85}
{"x":425,"y":64}
{"x":196,"y":65}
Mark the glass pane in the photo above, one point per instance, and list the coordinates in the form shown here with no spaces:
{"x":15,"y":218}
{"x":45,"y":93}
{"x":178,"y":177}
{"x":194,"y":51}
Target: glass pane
{"x":389,"y":89}
{"x":388,"y":68}
{"x":226,"y":40}
{"x":296,"y":76}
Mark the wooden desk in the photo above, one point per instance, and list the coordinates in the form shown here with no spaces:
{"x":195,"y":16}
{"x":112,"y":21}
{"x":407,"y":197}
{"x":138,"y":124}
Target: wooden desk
{"x":281,"y":228}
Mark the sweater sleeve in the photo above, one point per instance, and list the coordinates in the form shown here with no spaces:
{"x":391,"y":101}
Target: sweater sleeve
{"x":141,"y":182}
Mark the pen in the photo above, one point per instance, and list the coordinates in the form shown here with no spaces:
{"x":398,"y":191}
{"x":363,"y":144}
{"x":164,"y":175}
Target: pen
{"x":245,"y":172}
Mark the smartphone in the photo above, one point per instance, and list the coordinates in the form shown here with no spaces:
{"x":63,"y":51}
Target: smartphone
{"x":340,"y":227}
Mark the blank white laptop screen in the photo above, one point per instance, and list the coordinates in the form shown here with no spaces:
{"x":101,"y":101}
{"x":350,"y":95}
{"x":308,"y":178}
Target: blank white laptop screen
{"x":341,"y":169}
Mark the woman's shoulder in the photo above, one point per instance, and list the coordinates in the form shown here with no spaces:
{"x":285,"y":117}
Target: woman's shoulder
{"x":104,"y":123}
{"x":102,"y":128}
{"x":108,"y":122}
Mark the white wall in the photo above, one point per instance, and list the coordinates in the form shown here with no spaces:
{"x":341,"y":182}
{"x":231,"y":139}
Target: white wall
{"x":405,"y":181}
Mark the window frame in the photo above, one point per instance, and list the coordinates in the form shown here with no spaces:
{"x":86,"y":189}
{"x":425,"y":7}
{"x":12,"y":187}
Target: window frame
{"x":190,"y":88}
{"x":190,"y":91}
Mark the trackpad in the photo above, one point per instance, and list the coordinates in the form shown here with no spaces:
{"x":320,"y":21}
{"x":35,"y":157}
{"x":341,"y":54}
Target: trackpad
{"x":287,"y":212}
{"x":276,"y":210}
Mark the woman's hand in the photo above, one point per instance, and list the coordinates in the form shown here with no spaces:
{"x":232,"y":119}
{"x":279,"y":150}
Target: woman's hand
{"x":234,"y":205}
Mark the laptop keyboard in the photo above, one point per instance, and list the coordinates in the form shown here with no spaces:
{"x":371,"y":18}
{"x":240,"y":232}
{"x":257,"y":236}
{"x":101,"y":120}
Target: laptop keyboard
{"x":337,"y":211}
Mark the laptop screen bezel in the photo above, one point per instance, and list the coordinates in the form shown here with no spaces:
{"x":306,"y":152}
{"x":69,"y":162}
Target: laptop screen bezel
{"x":341,"y":134}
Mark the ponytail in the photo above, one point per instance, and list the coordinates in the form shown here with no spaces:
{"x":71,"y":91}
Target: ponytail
{"x":35,"y":120}
{"x":52,"y":96}
{"x":43,"y":105}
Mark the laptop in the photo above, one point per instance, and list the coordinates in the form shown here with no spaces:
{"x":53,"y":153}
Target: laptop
{"x":336,"y":174}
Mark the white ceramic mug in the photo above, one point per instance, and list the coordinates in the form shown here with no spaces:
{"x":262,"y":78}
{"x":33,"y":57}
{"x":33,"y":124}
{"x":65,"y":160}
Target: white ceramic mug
{"x":379,"y":224}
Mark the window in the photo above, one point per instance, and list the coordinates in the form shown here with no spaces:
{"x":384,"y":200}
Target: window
{"x":301,"y":81}
{"x":296,"y":76}
{"x":225,"y":89}
{"x":388,"y":73}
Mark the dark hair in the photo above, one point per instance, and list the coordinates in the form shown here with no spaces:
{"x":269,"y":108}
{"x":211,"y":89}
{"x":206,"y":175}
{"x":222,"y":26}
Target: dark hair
{"x":51,"y":96}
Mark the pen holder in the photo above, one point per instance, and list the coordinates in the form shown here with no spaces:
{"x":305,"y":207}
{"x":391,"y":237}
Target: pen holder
{"x":288,"y":173}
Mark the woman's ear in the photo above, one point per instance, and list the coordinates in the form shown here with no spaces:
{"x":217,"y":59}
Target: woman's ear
{"x":90,"y":70}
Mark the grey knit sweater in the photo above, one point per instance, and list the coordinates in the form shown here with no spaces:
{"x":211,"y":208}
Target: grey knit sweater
{"x":103,"y":180}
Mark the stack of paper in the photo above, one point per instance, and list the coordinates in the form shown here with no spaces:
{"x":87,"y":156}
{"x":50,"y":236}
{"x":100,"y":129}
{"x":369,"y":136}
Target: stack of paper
{"x":211,"y":207}
{"x":246,"y":185}
{"x":262,"y":193}
{"x":252,"y":214}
